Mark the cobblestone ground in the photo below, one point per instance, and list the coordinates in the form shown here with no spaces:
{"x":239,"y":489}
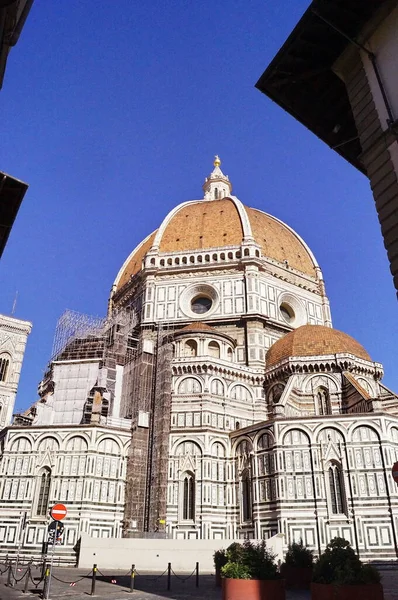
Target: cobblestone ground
{"x":115,"y":586}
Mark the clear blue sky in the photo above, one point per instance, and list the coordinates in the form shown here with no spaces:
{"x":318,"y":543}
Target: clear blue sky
{"x":113,"y":111}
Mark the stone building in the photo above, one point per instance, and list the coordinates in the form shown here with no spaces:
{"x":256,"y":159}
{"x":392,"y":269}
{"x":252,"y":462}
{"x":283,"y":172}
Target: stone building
{"x":215,"y":400}
{"x":13,"y":337}
{"x":336,"y":74}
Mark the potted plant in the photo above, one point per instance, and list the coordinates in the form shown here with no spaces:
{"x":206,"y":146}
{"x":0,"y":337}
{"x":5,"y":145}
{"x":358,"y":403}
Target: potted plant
{"x":298,"y":565}
{"x":339,"y":574}
{"x":251,"y":573}
{"x":220,"y":559}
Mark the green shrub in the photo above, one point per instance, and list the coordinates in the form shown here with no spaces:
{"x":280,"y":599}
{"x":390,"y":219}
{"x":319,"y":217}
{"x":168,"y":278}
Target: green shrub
{"x":250,"y":560}
{"x":234,"y":570}
{"x":220,"y":558}
{"x":298,"y":555}
{"x":340,"y":564}
{"x":235,"y":552}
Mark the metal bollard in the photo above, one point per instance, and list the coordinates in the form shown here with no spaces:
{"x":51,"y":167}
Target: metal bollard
{"x":9,"y":575}
{"x":46,"y":584}
{"x":132,"y":576}
{"x":169,"y":576}
{"x":25,"y":588}
{"x":43,"y":569}
{"x":197,"y":574}
{"x":93,"y":579}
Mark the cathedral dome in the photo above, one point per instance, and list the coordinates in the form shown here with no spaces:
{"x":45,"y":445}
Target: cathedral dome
{"x":221,"y":220}
{"x":314,"y":340}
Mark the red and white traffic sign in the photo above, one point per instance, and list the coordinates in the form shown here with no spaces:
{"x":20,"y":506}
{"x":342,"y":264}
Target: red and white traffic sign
{"x":58,"y":512}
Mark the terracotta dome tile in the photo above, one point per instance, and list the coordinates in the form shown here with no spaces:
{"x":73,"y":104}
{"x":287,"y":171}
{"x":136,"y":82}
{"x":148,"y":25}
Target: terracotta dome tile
{"x":279,"y":242}
{"x":203,"y":225}
{"x":135,"y":263}
{"x":314,"y":340}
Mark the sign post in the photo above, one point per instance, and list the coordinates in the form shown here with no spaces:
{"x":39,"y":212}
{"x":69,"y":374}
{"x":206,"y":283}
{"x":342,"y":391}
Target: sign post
{"x":55,"y":531}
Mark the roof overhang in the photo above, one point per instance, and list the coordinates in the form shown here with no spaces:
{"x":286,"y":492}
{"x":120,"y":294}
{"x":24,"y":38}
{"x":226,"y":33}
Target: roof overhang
{"x":12,"y":192}
{"x":13,"y":14}
{"x":301,"y":80}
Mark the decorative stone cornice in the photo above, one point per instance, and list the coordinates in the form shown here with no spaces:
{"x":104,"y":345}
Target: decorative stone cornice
{"x":332,"y":363}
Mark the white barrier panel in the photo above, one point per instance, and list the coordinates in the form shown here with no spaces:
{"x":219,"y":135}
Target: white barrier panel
{"x":154,"y":554}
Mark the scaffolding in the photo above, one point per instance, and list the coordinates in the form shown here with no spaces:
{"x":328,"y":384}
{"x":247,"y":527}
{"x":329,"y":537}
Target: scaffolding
{"x":146,"y":400}
{"x":159,"y":433}
{"x":73,"y":327}
{"x":81,"y":336}
{"x":145,"y":353}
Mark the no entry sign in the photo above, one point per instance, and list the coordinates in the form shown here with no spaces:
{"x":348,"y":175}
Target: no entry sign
{"x":395,"y":472}
{"x":58,"y":512}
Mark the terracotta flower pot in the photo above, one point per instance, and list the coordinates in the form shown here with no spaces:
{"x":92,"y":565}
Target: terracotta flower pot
{"x":297,"y":577}
{"x":253,"y":589}
{"x":330,"y":591}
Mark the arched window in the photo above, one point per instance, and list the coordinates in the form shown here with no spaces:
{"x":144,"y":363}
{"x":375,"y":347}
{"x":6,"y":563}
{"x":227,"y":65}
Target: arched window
{"x":189,"y":385}
{"x":217,"y":387}
{"x":240,"y":392}
{"x":336,"y":487}
{"x":323,"y":400}
{"x":44,"y":493}
{"x":191,"y":348}
{"x":4,"y":366}
{"x":218,"y":450}
{"x":229,"y":353}
{"x":214,"y":349}
{"x":188,"y":499}
{"x":246,"y":496}
{"x":76,"y":444}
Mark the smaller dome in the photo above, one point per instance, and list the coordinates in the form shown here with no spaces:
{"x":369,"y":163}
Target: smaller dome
{"x":314,"y":340}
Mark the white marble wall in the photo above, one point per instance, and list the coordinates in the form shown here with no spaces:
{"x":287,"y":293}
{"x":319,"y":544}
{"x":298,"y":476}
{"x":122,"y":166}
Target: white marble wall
{"x":13,"y":337}
{"x":88,"y":471}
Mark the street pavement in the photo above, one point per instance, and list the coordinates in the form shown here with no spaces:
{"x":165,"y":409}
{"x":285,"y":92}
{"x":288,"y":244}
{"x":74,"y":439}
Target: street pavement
{"x":75,"y":584}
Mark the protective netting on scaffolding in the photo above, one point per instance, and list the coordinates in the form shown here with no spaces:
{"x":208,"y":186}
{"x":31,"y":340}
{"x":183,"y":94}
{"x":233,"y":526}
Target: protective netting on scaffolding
{"x":82,"y":336}
{"x":77,"y":332}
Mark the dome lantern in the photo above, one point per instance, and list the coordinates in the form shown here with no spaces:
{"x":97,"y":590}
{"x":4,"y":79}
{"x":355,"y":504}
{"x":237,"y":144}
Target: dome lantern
{"x":217,"y":185}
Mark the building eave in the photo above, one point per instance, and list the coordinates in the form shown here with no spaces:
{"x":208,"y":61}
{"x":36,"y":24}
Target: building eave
{"x":301,"y":79}
{"x":12,"y":192}
{"x":13,"y":14}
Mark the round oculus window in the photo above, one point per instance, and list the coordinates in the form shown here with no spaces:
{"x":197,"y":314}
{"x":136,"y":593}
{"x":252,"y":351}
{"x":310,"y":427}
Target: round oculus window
{"x":287,"y":312}
{"x":201,"y":304}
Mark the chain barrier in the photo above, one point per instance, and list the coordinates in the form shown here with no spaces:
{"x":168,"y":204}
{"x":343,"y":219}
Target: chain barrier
{"x":33,"y":580}
{"x":22,"y":577}
{"x":12,"y":579}
{"x":110,"y":577}
{"x":75,"y":581}
{"x":184,"y":578}
{"x":150,"y":578}
{"x":30,"y":561}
